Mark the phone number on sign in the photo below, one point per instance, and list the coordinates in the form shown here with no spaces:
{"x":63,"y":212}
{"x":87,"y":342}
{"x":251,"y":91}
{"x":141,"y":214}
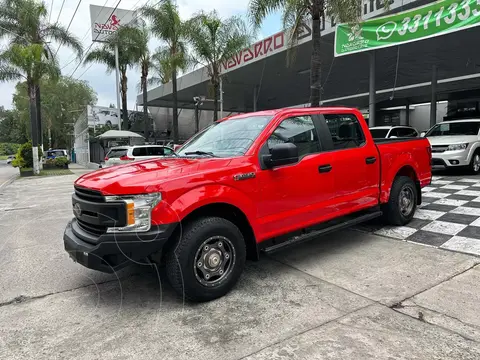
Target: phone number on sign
{"x":448,"y":15}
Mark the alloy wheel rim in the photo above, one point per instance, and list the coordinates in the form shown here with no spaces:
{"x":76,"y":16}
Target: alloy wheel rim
{"x":214,"y":260}
{"x":406,"y":200}
{"x":476,"y":163}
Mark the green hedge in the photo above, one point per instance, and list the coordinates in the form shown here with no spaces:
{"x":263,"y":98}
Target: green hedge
{"x":9,"y":148}
{"x":24,"y":157}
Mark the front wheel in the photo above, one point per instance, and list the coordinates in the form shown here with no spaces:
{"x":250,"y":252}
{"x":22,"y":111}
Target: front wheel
{"x":402,"y":203}
{"x":208,"y":259}
{"x":475,"y":163}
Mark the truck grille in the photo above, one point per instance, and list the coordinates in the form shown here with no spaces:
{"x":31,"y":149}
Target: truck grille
{"x":94,"y":215}
{"x":89,"y":195}
{"x":439,"y":148}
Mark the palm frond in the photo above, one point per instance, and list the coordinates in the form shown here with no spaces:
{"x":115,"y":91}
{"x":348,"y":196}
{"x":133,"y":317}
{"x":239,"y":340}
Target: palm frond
{"x":64,"y":38}
{"x":10,"y":73}
{"x":103,"y":56}
{"x":259,"y":9}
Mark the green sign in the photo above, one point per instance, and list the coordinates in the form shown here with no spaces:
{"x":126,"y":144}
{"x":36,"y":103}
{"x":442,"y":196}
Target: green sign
{"x":431,"y":20}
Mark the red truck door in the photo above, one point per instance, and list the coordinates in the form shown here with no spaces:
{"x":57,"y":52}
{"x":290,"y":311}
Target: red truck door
{"x":296,"y":195}
{"x":355,"y":161}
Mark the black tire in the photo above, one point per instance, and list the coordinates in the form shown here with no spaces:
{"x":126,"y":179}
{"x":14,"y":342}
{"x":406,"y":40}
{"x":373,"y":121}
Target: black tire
{"x":474,"y":167}
{"x":182,"y":260}
{"x":393,"y":213}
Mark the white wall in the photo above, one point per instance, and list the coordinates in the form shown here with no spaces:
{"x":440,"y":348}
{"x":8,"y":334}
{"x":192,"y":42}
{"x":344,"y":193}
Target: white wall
{"x":420,"y":115}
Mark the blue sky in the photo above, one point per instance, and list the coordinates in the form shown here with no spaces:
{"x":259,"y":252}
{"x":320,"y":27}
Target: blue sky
{"x":103,"y":83}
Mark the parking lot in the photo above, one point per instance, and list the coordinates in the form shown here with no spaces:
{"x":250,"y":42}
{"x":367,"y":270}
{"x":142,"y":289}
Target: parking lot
{"x":365,"y":293}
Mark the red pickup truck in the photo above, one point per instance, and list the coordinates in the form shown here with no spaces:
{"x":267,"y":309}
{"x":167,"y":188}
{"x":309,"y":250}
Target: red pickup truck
{"x":253,"y":182}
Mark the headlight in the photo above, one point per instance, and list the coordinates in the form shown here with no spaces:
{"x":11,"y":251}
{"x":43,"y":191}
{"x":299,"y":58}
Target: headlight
{"x":139,"y":210}
{"x":457,"y":147}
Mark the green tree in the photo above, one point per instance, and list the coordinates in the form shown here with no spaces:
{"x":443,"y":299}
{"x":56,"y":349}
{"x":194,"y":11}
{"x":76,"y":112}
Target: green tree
{"x":165,"y":23}
{"x":12,"y":128}
{"x":63,"y":101}
{"x":26,"y":22}
{"x":296,"y":12}
{"x":214,"y":41}
{"x":28,"y":63}
{"x":127,"y":58}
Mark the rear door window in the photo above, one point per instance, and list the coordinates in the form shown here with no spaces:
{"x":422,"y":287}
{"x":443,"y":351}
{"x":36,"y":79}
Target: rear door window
{"x":140,"y":151}
{"x":345,"y":130}
{"x":117,"y":153}
{"x":156,"y":151}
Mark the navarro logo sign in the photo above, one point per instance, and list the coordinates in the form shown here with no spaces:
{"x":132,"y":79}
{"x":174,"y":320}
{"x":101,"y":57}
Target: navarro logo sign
{"x":112,"y":25}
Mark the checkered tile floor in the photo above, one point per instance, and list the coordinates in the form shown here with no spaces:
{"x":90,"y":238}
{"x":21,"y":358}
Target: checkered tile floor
{"x":448,"y":218}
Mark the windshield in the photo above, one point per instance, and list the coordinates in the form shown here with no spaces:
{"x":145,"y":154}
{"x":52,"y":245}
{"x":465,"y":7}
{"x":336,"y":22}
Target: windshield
{"x":227,"y":138}
{"x":460,"y":128}
{"x":379,"y":133}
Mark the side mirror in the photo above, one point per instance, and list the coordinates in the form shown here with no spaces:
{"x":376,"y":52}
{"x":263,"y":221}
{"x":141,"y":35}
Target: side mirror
{"x":281,"y":154}
{"x":422,"y":134}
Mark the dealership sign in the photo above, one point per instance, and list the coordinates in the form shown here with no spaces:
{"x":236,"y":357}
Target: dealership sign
{"x":106,"y":21}
{"x":436,"y":19}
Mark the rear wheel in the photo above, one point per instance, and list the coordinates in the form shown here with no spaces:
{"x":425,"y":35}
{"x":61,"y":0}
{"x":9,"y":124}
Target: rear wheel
{"x":208,"y":259}
{"x":402,"y":203}
{"x":474,"y":166}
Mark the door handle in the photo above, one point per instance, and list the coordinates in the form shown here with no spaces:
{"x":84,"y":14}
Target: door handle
{"x":370,"y":160}
{"x":324,"y":168}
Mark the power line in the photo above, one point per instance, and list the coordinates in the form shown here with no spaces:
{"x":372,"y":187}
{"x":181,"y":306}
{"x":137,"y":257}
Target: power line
{"x":86,"y":52}
{"x":50,"y":13}
{"x":60,"y":13}
{"x":68,"y":27}
{"x":72,"y":59}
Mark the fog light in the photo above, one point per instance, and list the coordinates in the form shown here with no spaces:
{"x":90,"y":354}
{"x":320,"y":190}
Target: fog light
{"x":454,"y":162}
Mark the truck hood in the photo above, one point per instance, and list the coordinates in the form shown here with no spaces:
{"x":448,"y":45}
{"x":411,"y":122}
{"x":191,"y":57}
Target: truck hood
{"x":452,"y":139}
{"x":148,"y":175}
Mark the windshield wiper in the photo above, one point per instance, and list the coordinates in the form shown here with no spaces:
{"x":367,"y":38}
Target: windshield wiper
{"x":199,"y":152}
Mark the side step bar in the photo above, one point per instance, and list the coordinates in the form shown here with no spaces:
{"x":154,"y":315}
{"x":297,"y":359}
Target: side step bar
{"x":309,"y":236}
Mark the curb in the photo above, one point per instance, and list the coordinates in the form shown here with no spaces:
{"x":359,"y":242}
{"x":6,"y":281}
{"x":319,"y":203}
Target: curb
{"x":8,"y":181}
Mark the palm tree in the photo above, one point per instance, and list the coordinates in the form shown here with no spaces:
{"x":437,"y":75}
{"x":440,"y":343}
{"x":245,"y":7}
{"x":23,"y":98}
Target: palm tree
{"x":214,"y":41}
{"x":165,"y":23}
{"x":296,"y":12}
{"x":127,"y":57}
{"x":139,"y":37}
{"x":26,"y":22}
{"x":28,"y":63}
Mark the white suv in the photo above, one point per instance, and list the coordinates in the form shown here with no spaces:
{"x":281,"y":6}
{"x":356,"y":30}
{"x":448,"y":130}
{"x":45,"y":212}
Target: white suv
{"x":123,"y":154}
{"x":456,"y":143}
{"x":381,"y":132}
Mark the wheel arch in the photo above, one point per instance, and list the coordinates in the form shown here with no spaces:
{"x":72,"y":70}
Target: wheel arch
{"x":229,"y":212}
{"x":409,"y":171}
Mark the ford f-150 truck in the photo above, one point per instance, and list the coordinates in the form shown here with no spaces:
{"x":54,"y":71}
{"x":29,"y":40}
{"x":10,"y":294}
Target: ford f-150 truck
{"x":253,"y":182}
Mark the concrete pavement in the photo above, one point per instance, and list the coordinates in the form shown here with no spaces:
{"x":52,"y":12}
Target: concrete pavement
{"x":349,"y":295}
{"x":7,"y":173}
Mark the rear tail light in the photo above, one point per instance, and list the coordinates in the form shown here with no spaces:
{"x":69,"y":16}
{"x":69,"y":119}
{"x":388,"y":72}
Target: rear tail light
{"x":126,"y":157}
{"x":429,"y":151}
{"x":106,"y":158}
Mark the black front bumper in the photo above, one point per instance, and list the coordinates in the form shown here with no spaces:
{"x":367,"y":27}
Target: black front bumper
{"x":111,"y":252}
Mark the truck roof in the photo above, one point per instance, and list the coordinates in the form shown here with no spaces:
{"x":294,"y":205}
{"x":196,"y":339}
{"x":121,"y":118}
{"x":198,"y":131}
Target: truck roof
{"x":290,"y":110}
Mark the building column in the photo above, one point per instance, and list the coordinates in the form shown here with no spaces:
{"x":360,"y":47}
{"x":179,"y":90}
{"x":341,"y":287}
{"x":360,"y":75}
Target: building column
{"x":407,"y":113}
{"x":372,"y":90}
{"x":255,"y":93}
{"x":433,"y":102}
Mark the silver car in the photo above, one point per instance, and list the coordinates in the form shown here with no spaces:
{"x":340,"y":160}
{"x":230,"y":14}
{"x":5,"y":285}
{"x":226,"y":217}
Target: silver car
{"x":123,"y":154}
{"x":456,"y":143}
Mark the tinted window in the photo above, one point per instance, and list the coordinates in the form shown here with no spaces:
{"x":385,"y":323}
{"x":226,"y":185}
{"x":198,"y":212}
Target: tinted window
{"x":139,"y":151}
{"x":406,"y":132}
{"x":379,"y":133}
{"x":460,"y":128}
{"x":345,"y":130}
{"x":117,"y":153}
{"x":299,"y":131}
{"x":155,"y":151}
